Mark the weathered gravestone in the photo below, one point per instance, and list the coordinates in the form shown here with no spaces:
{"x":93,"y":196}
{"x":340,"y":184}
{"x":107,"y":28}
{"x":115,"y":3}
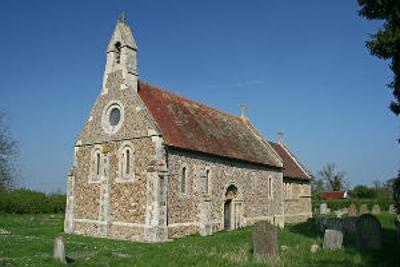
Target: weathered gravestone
{"x":363,"y":209}
{"x":392,"y":209}
{"x":333,"y":239}
{"x":323,"y":208}
{"x":376,"y":209}
{"x":368,"y":232}
{"x":352,"y":210}
{"x":59,"y":249}
{"x":340,"y":213}
{"x":265,"y":239}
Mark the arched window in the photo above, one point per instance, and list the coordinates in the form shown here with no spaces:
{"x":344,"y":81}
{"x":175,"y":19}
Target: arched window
{"x":96,"y":165}
{"x":126,"y":171}
{"x":183,"y":180}
{"x":118,"y":52}
{"x":127,"y":161}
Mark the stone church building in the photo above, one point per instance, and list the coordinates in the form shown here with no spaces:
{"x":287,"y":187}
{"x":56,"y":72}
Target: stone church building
{"x":150,"y":165}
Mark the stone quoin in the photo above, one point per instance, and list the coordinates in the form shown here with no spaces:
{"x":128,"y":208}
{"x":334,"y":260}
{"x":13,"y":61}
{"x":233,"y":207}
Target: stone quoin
{"x":150,"y":165}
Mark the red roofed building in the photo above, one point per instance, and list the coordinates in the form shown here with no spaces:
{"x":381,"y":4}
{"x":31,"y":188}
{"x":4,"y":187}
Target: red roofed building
{"x":150,"y":165}
{"x":334,"y":195}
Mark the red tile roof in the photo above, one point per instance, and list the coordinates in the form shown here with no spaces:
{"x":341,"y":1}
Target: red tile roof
{"x":291,"y":168}
{"x":333,"y":195}
{"x":190,"y":125}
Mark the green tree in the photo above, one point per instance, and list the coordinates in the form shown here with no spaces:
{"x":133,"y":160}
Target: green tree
{"x":396,"y":192}
{"x":334,"y":180}
{"x":362,"y":191}
{"x":385,"y":44}
{"x":8,"y":150}
{"x":317,"y":187}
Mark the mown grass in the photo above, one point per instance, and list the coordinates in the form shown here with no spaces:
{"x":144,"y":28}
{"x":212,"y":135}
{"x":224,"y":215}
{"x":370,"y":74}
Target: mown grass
{"x":31,"y":241}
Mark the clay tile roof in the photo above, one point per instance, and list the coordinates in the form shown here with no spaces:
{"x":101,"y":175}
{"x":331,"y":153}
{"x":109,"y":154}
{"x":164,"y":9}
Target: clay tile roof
{"x":291,"y":167}
{"x":190,"y":125}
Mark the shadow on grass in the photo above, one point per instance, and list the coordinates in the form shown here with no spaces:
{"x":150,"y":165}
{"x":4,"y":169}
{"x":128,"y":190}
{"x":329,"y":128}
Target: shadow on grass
{"x":388,"y":255}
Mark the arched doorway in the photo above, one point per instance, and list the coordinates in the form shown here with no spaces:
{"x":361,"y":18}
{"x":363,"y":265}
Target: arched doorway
{"x":230,"y":213}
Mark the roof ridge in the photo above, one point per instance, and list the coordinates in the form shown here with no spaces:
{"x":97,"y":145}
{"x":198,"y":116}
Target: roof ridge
{"x":291,"y":154}
{"x":191,"y":100}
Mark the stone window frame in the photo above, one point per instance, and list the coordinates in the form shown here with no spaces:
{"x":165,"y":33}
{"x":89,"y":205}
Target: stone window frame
{"x":94,"y":176}
{"x":270,"y":187}
{"x":122,"y":176}
{"x":186,"y":192}
{"x":105,"y":119}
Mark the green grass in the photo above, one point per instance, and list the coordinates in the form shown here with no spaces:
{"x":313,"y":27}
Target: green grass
{"x":31,"y":242}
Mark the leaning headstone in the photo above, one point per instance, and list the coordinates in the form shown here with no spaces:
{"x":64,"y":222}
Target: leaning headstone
{"x":59,"y":249}
{"x":333,"y":239}
{"x":323,"y":208}
{"x":392,"y":209}
{"x":376,"y":209}
{"x":368,"y":232}
{"x":363,"y":209}
{"x":352,"y":210}
{"x":265,"y":239}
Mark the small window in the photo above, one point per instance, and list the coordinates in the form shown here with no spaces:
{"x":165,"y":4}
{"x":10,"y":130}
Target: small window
{"x":183,"y":181}
{"x":115,"y":116}
{"x":118,"y":51}
{"x":270,"y":188}
{"x":207,"y":182}
{"x":128,"y":159}
{"x":98,"y":163}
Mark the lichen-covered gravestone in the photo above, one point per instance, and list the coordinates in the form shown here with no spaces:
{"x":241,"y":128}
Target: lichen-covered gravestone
{"x":265,"y":239}
{"x":333,"y":239}
{"x":323,"y":208}
{"x":376,"y":209}
{"x":59,"y":249}
{"x":363,"y":209}
{"x":352,"y":210}
{"x":368,"y":232}
{"x":392,"y":209}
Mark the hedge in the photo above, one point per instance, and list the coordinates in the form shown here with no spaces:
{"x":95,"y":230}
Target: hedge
{"x":27,"y":201}
{"x":336,"y":204}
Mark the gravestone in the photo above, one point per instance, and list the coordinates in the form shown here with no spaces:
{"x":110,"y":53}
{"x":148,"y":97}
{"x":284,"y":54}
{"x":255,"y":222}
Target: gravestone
{"x":392,"y":209}
{"x":323,"y":208}
{"x":59,"y":249}
{"x":363,"y":209}
{"x":265,"y":239}
{"x":341,"y":212}
{"x":352,"y":210}
{"x":333,"y":239}
{"x":314,"y":248}
{"x":368,"y":232}
{"x":376,"y":209}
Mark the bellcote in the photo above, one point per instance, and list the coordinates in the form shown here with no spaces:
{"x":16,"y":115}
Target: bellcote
{"x":121,"y":56}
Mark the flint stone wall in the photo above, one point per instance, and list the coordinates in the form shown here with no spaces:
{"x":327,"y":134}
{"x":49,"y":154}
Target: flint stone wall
{"x":184,"y":211}
{"x":298,"y":208}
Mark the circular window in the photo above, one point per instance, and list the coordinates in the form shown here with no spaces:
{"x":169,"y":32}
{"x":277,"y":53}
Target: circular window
{"x":115,"y":116}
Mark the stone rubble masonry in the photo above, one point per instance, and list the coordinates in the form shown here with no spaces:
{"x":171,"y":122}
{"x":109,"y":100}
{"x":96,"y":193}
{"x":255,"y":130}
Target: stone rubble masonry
{"x":197,"y":211}
{"x":298,"y":207}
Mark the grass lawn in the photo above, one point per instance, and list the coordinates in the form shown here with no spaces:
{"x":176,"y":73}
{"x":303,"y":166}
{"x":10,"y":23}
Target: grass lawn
{"x":31,"y":242}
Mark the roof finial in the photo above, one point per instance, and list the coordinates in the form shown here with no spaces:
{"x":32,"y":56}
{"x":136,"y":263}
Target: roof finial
{"x":279,"y":138}
{"x":122,"y":17}
{"x":243,"y":111}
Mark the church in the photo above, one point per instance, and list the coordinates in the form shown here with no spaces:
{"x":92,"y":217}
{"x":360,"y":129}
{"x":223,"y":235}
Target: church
{"x":150,"y":165}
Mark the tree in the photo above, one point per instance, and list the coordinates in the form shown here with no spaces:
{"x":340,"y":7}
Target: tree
{"x":334,"y":180}
{"x":362,"y":191}
{"x":396,"y":192}
{"x":8,"y":150}
{"x":385,"y":44}
{"x":317,"y":187}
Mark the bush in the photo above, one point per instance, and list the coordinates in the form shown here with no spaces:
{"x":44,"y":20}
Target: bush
{"x":28,"y":201}
{"x":336,"y":204}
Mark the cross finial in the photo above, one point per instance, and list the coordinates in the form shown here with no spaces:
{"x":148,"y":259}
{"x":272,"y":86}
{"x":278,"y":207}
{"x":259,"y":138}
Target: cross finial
{"x":122,"y":17}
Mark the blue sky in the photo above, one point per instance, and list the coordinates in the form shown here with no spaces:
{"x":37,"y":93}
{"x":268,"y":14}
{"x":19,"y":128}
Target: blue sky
{"x":300,"y":67}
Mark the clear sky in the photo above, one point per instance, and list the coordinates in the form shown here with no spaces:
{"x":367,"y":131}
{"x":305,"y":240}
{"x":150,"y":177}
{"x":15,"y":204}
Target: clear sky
{"x":300,"y":67}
